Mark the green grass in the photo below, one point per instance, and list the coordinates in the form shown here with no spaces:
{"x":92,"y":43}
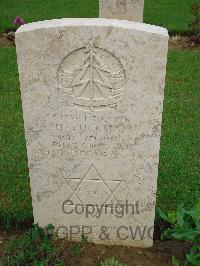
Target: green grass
{"x":15,"y":201}
{"x":179,"y":172}
{"x":179,"y":177}
{"x":35,"y":10}
{"x":172,"y":14}
{"x":34,"y":247}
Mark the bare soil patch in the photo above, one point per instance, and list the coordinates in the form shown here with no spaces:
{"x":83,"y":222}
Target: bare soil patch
{"x":175,"y":42}
{"x":160,"y":254}
{"x":92,"y":255}
{"x":6,"y":41}
{"x":186,"y":43}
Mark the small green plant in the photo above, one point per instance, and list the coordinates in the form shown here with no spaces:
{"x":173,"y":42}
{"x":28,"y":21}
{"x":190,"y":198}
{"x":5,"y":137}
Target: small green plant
{"x":185,"y":225}
{"x":84,"y":239}
{"x":34,"y":247}
{"x":194,"y":25}
{"x":111,"y":262}
{"x":175,"y":262}
{"x":78,"y":248}
{"x":193,"y":257}
{"x":59,"y":263}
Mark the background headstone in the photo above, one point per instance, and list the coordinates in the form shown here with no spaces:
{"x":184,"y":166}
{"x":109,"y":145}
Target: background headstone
{"x":92,"y":94}
{"x":122,"y":9}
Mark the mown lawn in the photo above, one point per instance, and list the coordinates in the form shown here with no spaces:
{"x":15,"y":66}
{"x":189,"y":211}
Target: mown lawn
{"x":179,"y":171}
{"x":172,"y":14}
{"x":15,"y":202}
{"x":179,"y":177}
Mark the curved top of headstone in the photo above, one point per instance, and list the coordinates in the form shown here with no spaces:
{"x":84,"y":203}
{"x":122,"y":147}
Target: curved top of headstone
{"x":93,"y":22}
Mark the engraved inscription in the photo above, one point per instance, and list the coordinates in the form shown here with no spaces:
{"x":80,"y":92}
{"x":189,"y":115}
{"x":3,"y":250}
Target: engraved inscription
{"x":91,"y":77}
{"x":90,"y":135}
{"x":44,"y":194}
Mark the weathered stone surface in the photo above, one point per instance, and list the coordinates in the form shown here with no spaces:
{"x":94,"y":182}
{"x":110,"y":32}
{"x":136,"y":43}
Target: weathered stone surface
{"x":122,"y":9}
{"x":92,"y":94}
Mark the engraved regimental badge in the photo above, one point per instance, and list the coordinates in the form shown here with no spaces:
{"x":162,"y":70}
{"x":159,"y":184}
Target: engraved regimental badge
{"x":91,"y":77}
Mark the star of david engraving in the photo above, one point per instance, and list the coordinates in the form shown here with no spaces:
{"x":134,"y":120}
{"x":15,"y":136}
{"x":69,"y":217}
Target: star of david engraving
{"x":92,"y":188}
{"x":91,"y":77}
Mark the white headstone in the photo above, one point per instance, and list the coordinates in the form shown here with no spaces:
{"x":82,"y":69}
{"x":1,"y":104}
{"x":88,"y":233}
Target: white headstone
{"x":92,"y":94}
{"x":122,"y":9}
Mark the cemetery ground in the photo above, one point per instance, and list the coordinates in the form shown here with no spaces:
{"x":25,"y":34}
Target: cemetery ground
{"x":178,"y":180}
{"x":178,"y":171}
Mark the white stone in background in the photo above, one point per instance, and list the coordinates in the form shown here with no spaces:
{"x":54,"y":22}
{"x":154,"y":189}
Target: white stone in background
{"x":122,"y":9}
{"x":92,"y":94}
